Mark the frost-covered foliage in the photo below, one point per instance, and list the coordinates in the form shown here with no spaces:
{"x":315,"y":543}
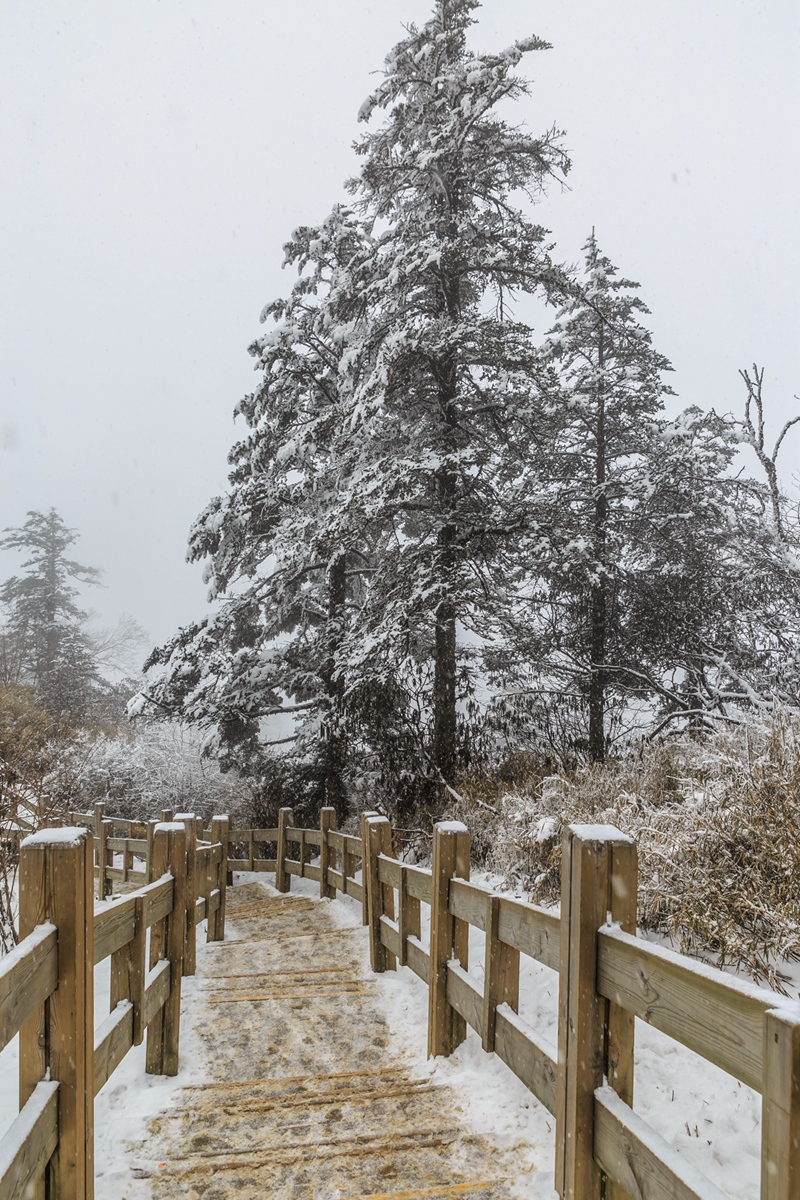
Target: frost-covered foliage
{"x":139,"y":772}
{"x":444,"y":539}
{"x":661,"y":584}
{"x":717,"y":821}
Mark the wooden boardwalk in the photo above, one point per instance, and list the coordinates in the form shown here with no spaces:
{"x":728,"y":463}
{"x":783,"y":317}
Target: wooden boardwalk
{"x":306,"y":1098}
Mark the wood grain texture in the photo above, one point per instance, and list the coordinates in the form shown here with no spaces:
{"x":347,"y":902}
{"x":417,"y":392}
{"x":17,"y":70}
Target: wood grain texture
{"x":641,"y":1162}
{"x":501,"y":972}
{"x":464,"y":995}
{"x":28,"y":974}
{"x":780,"y":1113}
{"x":28,"y":1144}
{"x":534,"y":930}
{"x":285,"y":821}
{"x":113,"y":1040}
{"x":446,"y":1026}
{"x":327,"y":822}
{"x":709,"y":1011}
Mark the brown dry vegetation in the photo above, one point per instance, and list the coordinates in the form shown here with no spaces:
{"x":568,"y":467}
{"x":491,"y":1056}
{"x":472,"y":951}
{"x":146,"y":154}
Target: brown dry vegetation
{"x":717,"y":820}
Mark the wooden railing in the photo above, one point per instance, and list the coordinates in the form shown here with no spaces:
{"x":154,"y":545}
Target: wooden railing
{"x":607,"y":978}
{"x":47,"y":982}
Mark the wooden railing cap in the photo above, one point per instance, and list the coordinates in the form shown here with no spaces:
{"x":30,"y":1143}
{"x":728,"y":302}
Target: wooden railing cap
{"x":68,"y":835}
{"x":600,"y":833}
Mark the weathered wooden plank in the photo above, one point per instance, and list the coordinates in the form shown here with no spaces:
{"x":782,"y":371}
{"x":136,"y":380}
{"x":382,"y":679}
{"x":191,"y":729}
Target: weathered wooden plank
{"x":292,"y":867}
{"x":418,"y":883}
{"x":446,"y":1025}
{"x":199,"y":910}
{"x":29,"y":1143}
{"x":156,"y":991}
{"x":310,"y":872}
{"x":114,"y":925}
{"x":528,"y":1055}
{"x":28,"y":975}
{"x":312,"y":837}
{"x":214,"y":900}
{"x":533,"y":930}
{"x":112,"y":1042}
{"x":137,"y":846}
{"x":336,"y":840}
{"x":351,"y":844}
{"x":388,"y":871}
{"x":390,"y":936}
{"x":283,"y":880}
{"x":259,"y":835}
{"x":464,"y":995}
{"x":137,"y":876}
{"x":417,"y":958}
{"x":467,"y":901}
{"x":355,"y":890}
{"x":780,"y":1110}
{"x":639,"y":1160}
{"x":159,"y":900}
{"x":716,"y":1015}
{"x":336,"y":879}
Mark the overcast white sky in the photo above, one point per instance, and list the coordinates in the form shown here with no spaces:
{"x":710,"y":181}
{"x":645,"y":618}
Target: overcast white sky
{"x":155,"y":156}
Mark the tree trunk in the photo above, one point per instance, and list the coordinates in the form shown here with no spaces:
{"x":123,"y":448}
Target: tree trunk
{"x":335,"y":743}
{"x":598,"y":602}
{"x":444,"y":674}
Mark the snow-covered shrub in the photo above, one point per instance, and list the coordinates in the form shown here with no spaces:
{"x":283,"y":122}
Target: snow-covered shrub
{"x":717,"y":822}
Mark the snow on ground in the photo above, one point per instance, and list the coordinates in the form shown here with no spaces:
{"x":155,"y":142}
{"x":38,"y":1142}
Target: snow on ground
{"x":711,"y":1118}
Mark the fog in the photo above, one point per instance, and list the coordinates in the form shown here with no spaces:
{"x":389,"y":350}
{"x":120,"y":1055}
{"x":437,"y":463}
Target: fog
{"x":156,"y":156}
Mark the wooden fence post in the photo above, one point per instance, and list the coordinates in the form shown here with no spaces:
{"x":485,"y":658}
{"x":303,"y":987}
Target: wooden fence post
{"x":408,"y":916}
{"x":365,"y":816}
{"x":780,"y":1118}
{"x":283,"y":880}
{"x":449,"y":937}
{"x":167,"y":941}
{"x":104,"y":887}
{"x":500,"y":976}
{"x":151,"y":825}
{"x":57,"y":884}
{"x":219,"y":833}
{"x":587,"y":896}
{"x":189,"y":822}
{"x":327,"y":820}
{"x":128,"y":971}
{"x":380,"y":897}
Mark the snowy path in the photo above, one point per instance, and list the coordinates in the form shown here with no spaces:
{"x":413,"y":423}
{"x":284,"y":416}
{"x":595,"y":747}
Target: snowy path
{"x":306,"y":1099}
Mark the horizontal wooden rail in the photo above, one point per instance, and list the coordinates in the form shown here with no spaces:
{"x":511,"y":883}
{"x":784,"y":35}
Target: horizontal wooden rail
{"x":529,"y":1055}
{"x":639,"y":1160}
{"x":29,"y":1143}
{"x":113,"y":1040}
{"x":714,"y":1014}
{"x":464,"y":995}
{"x":157,"y":990}
{"x":28,"y":975}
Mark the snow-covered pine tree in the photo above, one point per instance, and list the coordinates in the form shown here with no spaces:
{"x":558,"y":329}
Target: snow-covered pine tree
{"x":285,"y":554}
{"x":52,"y":652}
{"x":605,"y":435}
{"x":440,"y":188}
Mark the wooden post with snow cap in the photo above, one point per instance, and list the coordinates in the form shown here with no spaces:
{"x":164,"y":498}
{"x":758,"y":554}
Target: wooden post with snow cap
{"x":167,"y":939}
{"x":56,"y":875}
{"x":327,"y":820}
{"x":365,"y":816}
{"x":283,"y":880}
{"x":104,"y":887}
{"x":189,"y":822}
{"x":449,"y":936}
{"x":219,"y":833}
{"x":598,"y":879}
{"x":380,"y":897}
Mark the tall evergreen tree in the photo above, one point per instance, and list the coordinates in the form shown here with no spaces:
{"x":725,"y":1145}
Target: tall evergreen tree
{"x":437,"y":398}
{"x":602,"y":455}
{"x":283,"y":569}
{"x":54,"y":654}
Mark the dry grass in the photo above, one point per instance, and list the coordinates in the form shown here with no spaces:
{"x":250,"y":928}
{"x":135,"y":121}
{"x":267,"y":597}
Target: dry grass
{"x":717,"y":821}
